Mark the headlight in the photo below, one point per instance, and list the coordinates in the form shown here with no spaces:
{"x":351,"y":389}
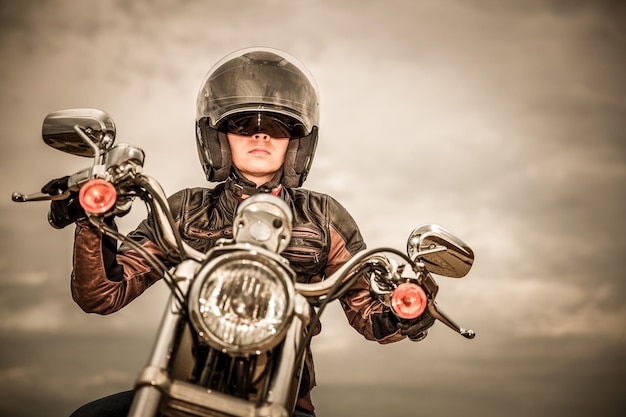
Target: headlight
{"x":241,"y":305}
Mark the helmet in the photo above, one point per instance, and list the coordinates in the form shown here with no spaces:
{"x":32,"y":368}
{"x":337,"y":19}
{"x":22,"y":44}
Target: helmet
{"x":253,"y":90}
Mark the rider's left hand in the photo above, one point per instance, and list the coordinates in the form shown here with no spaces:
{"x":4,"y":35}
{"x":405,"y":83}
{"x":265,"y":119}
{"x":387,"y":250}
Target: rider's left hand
{"x":417,"y":329}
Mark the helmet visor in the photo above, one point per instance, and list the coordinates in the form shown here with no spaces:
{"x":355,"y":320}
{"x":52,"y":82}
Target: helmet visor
{"x":275,"y":125}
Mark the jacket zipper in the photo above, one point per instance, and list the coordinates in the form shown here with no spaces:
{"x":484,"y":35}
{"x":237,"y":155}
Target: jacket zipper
{"x":302,"y":253}
{"x":306,"y":232}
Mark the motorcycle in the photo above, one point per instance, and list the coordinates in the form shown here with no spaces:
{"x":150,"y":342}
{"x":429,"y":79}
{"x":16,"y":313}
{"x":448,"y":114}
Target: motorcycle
{"x":233,"y":335}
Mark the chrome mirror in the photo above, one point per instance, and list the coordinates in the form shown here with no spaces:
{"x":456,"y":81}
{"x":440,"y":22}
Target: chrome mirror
{"x":442,"y":252}
{"x":72,"y":130}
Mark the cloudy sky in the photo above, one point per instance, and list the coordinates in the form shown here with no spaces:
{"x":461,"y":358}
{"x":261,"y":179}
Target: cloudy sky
{"x":503,"y":121}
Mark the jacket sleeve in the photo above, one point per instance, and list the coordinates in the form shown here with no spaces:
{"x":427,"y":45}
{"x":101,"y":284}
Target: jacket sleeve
{"x":104,"y":281}
{"x":367,"y":315}
{"x":105,"y":278}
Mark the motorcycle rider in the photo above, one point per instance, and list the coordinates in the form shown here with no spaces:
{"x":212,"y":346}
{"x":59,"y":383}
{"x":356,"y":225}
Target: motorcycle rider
{"x":256,"y":129}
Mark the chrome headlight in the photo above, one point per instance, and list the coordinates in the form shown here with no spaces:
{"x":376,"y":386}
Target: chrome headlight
{"x":240,"y":304}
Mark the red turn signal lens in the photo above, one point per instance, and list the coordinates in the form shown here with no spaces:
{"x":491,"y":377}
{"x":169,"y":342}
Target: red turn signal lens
{"x":408,"y":300}
{"x":97,"y":196}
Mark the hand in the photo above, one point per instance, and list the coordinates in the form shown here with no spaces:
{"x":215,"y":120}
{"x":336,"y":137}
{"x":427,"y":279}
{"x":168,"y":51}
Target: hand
{"x":417,"y":329}
{"x":62,"y":212}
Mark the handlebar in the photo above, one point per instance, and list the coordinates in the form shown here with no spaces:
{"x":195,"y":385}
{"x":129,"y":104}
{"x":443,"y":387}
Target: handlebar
{"x":342,"y":275}
{"x":167,"y":234}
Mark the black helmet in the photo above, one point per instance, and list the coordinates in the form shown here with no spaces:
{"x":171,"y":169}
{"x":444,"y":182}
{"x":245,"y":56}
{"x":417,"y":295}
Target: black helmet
{"x":253,"y":90}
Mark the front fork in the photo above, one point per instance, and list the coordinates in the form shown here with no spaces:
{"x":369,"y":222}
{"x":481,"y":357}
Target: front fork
{"x":154,"y":382}
{"x":147,"y":386}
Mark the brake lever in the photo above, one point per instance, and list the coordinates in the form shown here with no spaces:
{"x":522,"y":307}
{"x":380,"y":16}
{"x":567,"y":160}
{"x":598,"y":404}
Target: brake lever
{"x":436,"y":312}
{"x":430,"y":286}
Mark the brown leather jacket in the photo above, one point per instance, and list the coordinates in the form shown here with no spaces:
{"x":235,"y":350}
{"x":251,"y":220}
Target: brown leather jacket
{"x":325,"y":236}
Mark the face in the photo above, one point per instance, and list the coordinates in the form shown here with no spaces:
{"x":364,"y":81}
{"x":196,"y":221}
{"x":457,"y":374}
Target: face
{"x":259,"y":156}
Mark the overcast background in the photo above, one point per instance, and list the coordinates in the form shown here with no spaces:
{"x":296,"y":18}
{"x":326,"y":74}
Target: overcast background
{"x":503,"y":121}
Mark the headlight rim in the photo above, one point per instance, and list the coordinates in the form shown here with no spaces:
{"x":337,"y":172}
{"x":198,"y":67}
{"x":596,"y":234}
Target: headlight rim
{"x":283,"y":274}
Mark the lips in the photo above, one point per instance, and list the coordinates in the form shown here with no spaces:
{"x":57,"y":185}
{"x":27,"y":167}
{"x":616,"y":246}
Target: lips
{"x":260,"y":151}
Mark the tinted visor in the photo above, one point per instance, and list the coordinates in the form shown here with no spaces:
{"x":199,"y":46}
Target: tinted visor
{"x":275,"y":125}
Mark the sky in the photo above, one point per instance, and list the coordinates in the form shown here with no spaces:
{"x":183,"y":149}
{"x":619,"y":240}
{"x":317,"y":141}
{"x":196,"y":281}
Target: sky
{"x":502,"y":121}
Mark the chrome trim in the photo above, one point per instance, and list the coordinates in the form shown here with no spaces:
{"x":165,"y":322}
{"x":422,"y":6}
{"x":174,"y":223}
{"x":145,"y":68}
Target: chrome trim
{"x":268,"y":260}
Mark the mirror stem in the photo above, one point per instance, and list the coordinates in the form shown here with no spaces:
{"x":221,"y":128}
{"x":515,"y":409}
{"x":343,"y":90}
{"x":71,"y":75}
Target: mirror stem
{"x":418,"y":255}
{"x":95,"y":147}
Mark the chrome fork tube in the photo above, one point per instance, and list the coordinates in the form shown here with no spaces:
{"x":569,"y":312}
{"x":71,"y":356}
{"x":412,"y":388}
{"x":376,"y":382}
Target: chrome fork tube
{"x":283,"y":389}
{"x":153,"y":379}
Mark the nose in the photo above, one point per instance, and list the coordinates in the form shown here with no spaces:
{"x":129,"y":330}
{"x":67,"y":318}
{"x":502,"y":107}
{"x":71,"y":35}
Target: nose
{"x":261,"y":136}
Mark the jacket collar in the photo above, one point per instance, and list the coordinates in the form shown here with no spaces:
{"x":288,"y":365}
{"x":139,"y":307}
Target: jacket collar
{"x":241,"y":186}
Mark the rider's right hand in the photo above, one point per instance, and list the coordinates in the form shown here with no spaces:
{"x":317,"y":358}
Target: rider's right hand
{"x":62,"y":212}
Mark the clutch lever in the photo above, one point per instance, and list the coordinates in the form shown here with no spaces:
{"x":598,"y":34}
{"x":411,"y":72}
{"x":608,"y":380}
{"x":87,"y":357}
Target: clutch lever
{"x":74,"y":183}
{"x":23,"y":198}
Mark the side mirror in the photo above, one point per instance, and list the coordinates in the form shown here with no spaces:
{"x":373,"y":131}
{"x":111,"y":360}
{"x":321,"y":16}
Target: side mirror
{"x":61,"y":131}
{"x":443,"y":253}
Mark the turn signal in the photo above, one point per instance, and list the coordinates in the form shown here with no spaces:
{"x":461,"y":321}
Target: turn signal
{"x":408,"y":300}
{"x":97,"y":196}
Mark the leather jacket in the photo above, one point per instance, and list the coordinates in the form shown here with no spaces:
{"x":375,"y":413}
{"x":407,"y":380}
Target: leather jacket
{"x":324,"y":237}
